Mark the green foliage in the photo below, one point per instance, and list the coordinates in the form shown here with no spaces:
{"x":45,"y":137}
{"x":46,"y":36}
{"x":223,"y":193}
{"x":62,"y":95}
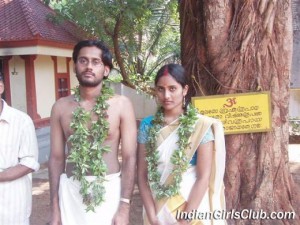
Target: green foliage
{"x":294,"y":124}
{"x":87,"y":148}
{"x":144,"y":34}
{"x":179,"y":159}
{"x":46,"y":2}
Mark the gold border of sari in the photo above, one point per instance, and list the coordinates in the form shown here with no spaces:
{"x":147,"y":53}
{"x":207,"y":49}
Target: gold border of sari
{"x":177,"y":202}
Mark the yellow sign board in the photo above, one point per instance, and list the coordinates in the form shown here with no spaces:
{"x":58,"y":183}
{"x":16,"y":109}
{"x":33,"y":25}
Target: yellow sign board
{"x":240,"y":113}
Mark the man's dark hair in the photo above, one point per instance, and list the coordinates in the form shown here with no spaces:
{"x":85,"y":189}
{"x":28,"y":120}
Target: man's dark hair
{"x":1,"y":77}
{"x":106,"y":56}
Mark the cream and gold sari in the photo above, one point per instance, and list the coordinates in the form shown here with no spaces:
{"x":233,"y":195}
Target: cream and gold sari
{"x":213,"y":201}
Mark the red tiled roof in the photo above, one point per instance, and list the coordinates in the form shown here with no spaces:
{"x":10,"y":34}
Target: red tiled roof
{"x":23,"y":20}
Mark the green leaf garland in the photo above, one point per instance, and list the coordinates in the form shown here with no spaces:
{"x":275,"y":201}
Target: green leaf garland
{"x":87,"y":148}
{"x":179,"y":159}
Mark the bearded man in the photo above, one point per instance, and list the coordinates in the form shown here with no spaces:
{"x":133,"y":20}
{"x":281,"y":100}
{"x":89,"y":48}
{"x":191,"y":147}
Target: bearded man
{"x":87,"y":183}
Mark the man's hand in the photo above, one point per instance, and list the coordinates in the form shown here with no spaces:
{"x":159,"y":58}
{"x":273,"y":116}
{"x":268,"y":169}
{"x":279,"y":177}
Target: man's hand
{"x":122,"y":215}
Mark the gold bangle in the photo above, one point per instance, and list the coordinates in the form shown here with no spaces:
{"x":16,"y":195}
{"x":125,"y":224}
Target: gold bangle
{"x":126,"y":200}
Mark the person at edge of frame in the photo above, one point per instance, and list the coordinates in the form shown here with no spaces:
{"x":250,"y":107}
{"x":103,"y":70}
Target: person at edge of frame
{"x":18,"y":159}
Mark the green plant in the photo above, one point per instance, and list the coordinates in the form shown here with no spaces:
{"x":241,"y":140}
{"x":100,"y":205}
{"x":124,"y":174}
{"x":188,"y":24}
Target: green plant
{"x":87,"y":147}
{"x":179,"y":159}
{"x":294,"y":126}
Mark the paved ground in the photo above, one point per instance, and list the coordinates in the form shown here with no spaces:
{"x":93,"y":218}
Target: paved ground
{"x":41,"y":207}
{"x":40,"y":211}
{"x":294,"y":153}
{"x":294,"y":158}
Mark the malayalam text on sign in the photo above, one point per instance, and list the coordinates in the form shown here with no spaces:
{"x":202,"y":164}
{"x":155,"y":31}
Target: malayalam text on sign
{"x":239,"y":113}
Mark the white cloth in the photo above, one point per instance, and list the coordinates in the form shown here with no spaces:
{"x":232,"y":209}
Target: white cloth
{"x":18,"y":145}
{"x":213,"y":198}
{"x":73,"y":211}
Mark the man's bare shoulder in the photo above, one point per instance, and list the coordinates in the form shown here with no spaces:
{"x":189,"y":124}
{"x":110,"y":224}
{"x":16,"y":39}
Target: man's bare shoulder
{"x":63,"y":103}
{"x":120,"y":100}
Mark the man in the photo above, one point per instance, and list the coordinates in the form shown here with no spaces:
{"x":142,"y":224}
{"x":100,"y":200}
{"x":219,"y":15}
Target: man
{"x":18,"y":159}
{"x":88,"y":185}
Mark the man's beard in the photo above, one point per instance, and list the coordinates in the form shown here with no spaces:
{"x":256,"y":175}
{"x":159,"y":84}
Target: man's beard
{"x":87,"y":83}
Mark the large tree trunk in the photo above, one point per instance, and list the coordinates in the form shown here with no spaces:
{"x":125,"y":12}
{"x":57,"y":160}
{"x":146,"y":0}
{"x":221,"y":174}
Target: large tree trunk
{"x":239,"y":46}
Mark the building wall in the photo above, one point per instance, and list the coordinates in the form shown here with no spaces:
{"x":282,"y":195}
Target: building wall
{"x":73,"y":79}
{"x":142,"y":104}
{"x":36,"y":50}
{"x":295,"y":75}
{"x":295,"y":103}
{"x":294,"y":110}
{"x":17,"y":83}
{"x":61,"y":65}
{"x":45,"y":86}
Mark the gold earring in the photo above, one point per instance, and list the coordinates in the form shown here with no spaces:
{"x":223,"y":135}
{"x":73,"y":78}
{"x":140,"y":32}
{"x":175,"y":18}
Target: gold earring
{"x":183,"y":102}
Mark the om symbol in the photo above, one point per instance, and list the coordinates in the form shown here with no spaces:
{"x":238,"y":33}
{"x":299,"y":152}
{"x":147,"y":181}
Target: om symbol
{"x":231,"y":102}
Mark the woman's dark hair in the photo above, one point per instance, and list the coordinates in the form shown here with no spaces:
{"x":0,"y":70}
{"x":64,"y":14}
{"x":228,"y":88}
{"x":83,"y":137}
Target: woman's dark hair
{"x":175,"y":70}
{"x":106,"y":56}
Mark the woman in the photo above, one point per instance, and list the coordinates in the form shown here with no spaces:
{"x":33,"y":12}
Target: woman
{"x":178,"y":179}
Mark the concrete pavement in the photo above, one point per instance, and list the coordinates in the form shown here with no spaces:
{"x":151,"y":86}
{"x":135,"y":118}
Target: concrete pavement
{"x":294,"y":153}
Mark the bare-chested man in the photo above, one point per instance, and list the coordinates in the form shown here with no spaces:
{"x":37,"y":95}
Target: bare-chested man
{"x":92,"y":64}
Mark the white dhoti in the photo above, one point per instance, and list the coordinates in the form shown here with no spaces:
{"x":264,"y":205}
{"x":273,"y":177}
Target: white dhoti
{"x":73,"y":211}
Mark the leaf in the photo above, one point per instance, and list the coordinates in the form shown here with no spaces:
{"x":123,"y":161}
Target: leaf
{"x":87,"y":150}
{"x":178,"y":158}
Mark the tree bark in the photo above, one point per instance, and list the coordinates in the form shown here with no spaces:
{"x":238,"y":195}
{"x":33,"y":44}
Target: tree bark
{"x":238,"y":46}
